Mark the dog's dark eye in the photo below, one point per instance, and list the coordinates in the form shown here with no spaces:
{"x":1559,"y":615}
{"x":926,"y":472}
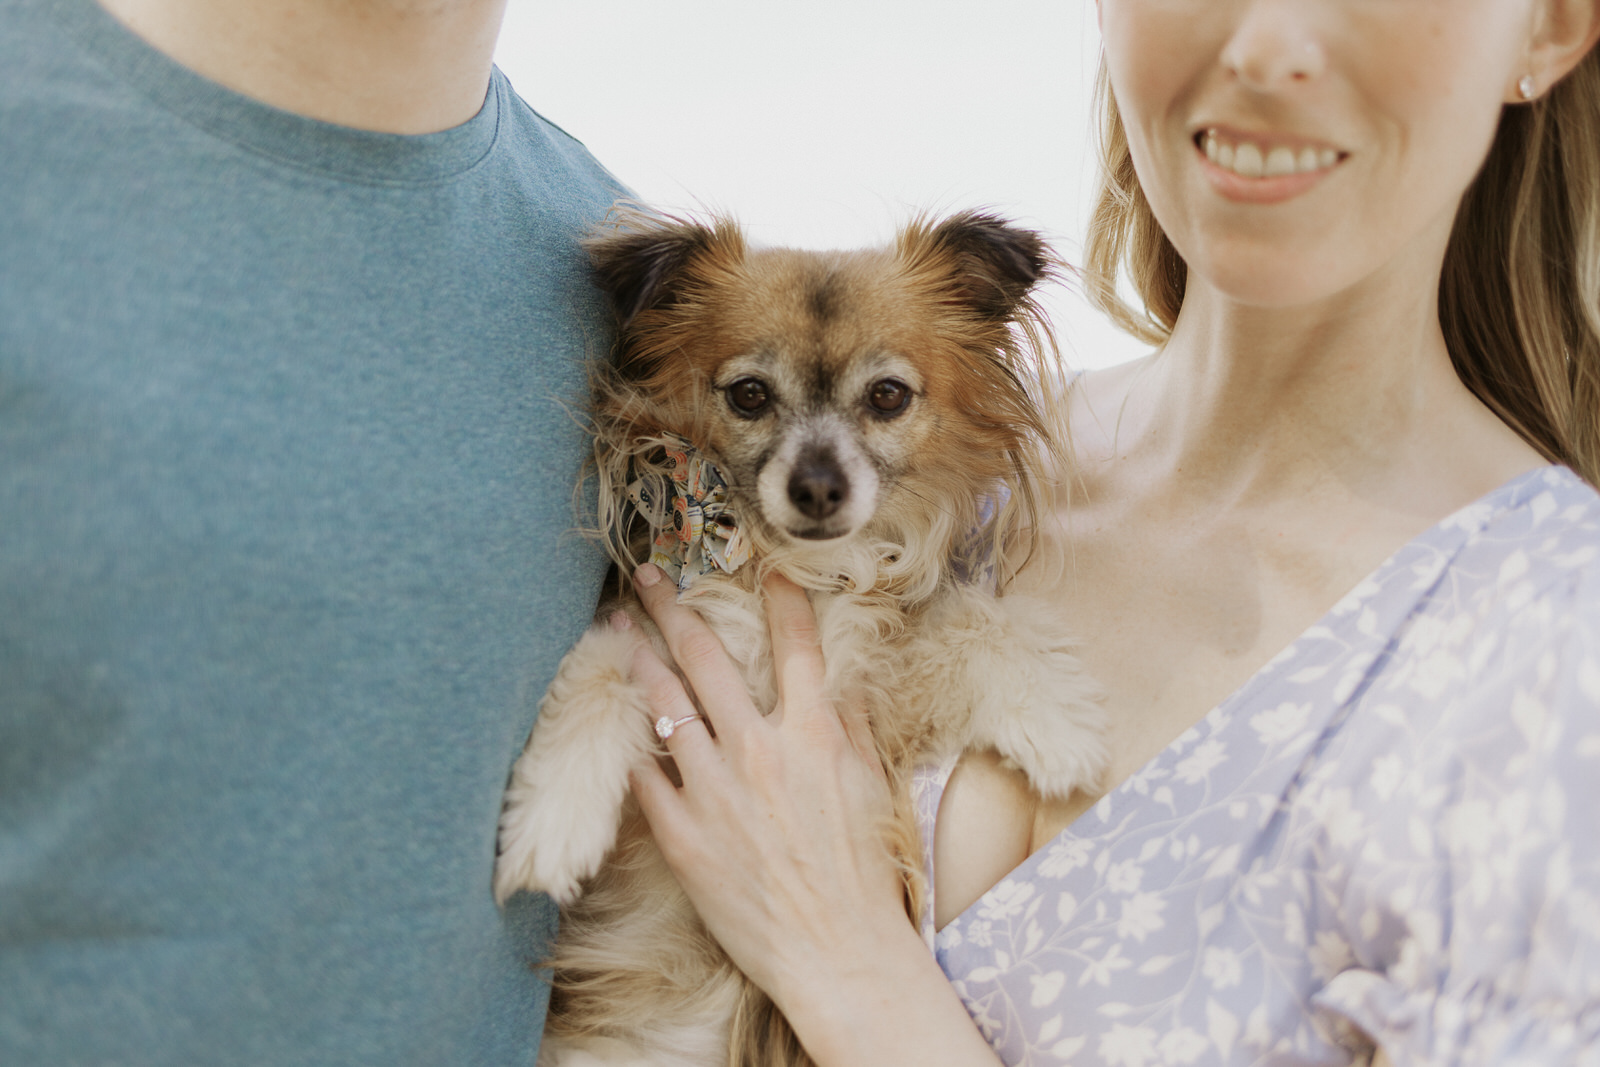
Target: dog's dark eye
{"x":889,"y":397}
{"x":748,"y":395}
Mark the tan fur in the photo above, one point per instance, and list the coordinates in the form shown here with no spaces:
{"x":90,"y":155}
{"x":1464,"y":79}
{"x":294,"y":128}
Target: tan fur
{"x":940,"y":663}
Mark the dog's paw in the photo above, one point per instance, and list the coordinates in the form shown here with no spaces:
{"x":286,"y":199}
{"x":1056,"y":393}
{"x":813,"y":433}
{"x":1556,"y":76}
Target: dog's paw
{"x":564,"y":803}
{"x":546,"y":845}
{"x":1012,"y":663}
{"x":1060,"y":747}
{"x":1050,"y":722}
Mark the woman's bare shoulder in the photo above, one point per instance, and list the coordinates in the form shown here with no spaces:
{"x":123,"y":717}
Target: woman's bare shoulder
{"x":1100,"y":397}
{"x":1097,"y":410}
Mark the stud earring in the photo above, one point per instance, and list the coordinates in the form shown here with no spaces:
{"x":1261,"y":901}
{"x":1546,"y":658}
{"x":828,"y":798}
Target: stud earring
{"x":1527,"y":87}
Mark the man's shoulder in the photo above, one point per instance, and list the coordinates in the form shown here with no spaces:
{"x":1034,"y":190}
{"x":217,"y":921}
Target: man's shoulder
{"x":40,"y":57}
{"x":548,"y":149}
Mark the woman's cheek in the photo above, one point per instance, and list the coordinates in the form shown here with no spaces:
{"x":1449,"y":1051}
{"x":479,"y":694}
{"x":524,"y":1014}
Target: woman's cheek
{"x":1438,"y":113}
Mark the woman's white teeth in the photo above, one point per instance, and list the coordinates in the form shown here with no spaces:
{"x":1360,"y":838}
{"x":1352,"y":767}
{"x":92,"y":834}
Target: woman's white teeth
{"x":1280,"y":161}
{"x":1246,"y":158}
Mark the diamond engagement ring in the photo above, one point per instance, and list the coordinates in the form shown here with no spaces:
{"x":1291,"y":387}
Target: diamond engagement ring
{"x":667,"y":724}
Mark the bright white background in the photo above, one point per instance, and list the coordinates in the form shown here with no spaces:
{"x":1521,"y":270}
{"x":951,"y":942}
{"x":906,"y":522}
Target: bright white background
{"x":827,"y":123}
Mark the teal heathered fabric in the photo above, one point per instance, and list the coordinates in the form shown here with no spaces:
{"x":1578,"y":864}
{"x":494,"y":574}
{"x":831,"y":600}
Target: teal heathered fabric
{"x":289,"y":433}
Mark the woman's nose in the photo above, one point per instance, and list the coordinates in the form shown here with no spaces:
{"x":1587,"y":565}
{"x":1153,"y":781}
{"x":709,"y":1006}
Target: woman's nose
{"x":1274,"y":45}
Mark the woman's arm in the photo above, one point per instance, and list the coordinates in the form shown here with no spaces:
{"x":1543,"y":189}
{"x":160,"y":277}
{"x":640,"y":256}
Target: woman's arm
{"x":774,"y":837}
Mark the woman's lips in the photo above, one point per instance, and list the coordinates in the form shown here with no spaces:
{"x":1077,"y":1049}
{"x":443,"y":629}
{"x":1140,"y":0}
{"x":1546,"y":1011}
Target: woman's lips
{"x":1260,"y":169}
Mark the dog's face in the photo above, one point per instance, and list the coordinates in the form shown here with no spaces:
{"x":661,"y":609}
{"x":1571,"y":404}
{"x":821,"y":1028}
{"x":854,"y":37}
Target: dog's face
{"x":831,"y":388}
{"x":819,"y":404}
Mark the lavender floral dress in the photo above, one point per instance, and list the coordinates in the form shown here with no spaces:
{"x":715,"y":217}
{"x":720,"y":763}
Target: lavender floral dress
{"x":1390,"y":836}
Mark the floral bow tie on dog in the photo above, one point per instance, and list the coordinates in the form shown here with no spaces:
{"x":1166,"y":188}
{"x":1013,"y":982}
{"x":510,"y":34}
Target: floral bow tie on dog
{"x":703,"y":535}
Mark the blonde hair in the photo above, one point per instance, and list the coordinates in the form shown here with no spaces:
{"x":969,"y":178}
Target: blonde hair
{"x":1519,"y":298}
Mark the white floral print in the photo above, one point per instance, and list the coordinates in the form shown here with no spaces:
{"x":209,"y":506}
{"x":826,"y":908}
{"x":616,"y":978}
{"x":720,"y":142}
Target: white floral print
{"x":1387,"y":837}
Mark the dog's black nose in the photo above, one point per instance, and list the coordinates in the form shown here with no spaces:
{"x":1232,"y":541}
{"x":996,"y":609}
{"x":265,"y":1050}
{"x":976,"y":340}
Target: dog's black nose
{"x":817,"y":486}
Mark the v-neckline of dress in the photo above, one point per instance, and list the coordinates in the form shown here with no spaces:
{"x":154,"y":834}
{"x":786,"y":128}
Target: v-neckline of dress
{"x":1440,"y":541}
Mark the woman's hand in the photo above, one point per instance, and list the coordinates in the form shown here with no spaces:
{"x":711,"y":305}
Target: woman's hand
{"x":775,"y":836}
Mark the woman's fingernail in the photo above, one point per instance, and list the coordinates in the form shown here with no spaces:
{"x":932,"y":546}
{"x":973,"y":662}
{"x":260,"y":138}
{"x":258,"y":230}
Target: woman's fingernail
{"x":619,"y":620}
{"x":646,"y":576}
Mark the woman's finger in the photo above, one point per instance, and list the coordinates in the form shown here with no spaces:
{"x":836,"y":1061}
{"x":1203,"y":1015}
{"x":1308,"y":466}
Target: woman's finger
{"x":698,"y":653}
{"x":855,"y":717}
{"x":796,"y":648}
{"x":673,"y":715}
{"x":797,"y":658}
{"x":659,"y":799}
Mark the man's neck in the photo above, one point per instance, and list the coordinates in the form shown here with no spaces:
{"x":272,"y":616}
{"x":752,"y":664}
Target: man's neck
{"x":394,"y":66}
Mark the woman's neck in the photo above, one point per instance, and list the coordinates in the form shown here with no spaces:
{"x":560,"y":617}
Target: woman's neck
{"x":1249,"y":405}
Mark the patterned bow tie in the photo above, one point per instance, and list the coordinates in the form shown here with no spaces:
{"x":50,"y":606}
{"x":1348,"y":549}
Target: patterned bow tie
{"x":702,"y":534}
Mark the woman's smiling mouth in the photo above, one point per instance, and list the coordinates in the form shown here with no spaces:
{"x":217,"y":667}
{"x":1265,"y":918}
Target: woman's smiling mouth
{"x":1259,"y":169}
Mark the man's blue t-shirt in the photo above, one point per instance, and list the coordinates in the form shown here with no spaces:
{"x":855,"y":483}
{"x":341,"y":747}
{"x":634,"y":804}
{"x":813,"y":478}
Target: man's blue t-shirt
{"x":290,"y":425}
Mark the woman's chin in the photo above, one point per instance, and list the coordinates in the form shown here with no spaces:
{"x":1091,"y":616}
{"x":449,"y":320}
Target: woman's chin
{"x":1271,"y":278}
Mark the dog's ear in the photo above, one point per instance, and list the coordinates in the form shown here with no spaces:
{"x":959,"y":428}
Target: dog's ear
{"x":638,"y":256}
{"x":997,"y":263}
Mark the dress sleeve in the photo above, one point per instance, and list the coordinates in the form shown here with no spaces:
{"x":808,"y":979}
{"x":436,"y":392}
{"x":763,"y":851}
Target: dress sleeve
{"x":1484,"y":865}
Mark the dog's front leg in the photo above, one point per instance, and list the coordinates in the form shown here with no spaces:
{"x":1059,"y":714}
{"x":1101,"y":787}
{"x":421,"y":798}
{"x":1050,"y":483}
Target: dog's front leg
{"x":564,"y":802}
{"x":1008,"y":669}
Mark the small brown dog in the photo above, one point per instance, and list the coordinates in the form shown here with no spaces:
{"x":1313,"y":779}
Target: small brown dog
{"x":861,"y":423}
